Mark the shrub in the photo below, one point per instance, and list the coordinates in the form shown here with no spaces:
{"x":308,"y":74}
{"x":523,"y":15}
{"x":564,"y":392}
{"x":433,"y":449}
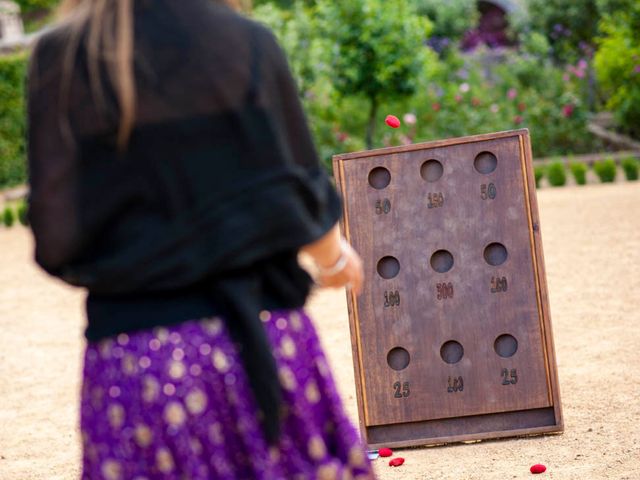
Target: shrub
{"x":566,"y":23}
{"x":579,"y":172}
{"x":451,"y":18}
{"x":538,"y":171}
{"x":12,"y":120}
{"x":630,"y":167}
{"x":22,"y":213}
{"x":8,"y":217}
{"x":606,"y":170}
{"x":556,"y":174}
{"x":617,"y":64}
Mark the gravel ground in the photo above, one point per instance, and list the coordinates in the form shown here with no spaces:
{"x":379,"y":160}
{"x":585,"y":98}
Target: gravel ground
{"x":591,"y":239}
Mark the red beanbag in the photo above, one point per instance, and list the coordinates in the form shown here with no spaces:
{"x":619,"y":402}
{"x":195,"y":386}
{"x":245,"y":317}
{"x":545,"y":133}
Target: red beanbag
{"x":538,"y":468}
{"x":392,"y":121}
{"x":385,"y":452}
{"x":396,"y":462}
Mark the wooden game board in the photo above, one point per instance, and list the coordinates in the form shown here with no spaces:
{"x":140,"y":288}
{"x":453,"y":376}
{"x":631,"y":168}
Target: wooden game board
{"x":451,"y":336}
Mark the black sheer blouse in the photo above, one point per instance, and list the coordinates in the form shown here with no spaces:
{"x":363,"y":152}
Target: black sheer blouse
{"x":205,"y":210}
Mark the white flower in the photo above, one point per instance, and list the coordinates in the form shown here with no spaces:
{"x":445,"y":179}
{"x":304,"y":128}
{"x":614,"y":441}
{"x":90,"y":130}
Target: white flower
{"x":464,"y":87}
{"x":494,"y":108}
{"x":410,"y":118}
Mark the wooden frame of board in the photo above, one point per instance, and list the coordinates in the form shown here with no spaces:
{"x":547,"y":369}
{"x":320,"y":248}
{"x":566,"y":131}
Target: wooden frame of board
{"x":431,"y":366}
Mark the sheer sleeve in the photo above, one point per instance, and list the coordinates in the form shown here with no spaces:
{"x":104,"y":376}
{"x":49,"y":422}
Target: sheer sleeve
{"x":280,"y":95}
{"x":52,"y":163}
{"x":279,"y":92}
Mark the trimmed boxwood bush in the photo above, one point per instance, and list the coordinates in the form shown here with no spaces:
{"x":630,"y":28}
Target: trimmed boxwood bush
{"x":630,"y":167}
{"x":579,"y":172}
{"x":22,"y":213}
{"x":556,"y":174}
{"x":12,"y":119}
{"x":538,"y":171}
{"x":606,"y":170}
{"x":8,"y":217}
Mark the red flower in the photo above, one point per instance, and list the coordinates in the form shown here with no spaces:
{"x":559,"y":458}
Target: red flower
{"x":567,"y":110}
{"x":396,"y":462}
{"x":385,"y":452}
{"x":435,"y":107}
{"x":538,"y":468}
{"x":517,"y":119}
{"x":475,"y":101}
{"x":342,"y":137}
{"x":392,"y":121}
{"x":522,"y":106}
{"x":458,"y":98}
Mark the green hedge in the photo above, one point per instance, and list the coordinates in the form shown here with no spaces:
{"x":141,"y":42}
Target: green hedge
{"x":606,"y":170}
{"x":579,"y":171}
{"x":630,"y":166}
{"x":12,"y":119}
{"x":556,"y":174}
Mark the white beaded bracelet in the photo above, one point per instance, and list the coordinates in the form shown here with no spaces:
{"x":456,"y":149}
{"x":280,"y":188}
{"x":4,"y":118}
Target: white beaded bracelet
{"x":340,"y":264}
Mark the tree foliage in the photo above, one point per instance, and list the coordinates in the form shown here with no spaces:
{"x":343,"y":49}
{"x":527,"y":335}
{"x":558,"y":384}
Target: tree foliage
{"x":375,"y":49}
{"x":451,"y":18}
{"x":27,"y":6}
{"x":12,"y":119}
{"x":617,"y":63}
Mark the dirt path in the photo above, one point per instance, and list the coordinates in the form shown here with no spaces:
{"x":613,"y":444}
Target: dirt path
{"x":591,"y":238}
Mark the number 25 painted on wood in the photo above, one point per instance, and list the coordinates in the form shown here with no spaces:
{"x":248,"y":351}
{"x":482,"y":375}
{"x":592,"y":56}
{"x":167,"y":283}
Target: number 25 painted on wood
{"x":406,"y":391}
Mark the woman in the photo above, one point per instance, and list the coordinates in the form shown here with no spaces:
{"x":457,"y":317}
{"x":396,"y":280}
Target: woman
{"x":173,"y":175}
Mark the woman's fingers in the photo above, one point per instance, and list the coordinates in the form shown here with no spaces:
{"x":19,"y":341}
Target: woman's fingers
{"x":351,"y":275}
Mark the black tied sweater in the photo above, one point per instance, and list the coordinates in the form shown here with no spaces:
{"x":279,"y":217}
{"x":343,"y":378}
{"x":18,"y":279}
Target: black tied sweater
{"x":205,"y":210}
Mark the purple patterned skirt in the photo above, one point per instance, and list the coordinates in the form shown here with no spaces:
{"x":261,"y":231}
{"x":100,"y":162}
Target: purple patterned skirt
{"x":175,"y":403}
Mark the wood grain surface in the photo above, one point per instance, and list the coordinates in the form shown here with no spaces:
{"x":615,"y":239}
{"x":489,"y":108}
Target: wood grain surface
{"x":453,"y":321}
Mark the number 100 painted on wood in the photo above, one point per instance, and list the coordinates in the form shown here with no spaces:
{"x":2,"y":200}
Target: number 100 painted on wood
{"x":451,"y":336}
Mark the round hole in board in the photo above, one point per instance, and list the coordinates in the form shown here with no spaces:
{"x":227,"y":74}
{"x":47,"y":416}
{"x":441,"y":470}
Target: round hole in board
{"x":451,"y":352}
{"x":398,"y":358}
{"x":506,"y":345}
{"x":388,"y":267}
{"x":379,"y":178}
{"x":485,"y":162}
{"x":431,"y":170}
{"x":442,"y":261}
{"x":495,"y":254}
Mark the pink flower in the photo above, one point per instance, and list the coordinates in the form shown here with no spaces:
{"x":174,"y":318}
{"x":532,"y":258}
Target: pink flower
{"x":512,"y":93}
{"x":410,"y":118}
{"x":458,"y":98}
{"x":579,"y":73}
{"x":582,"y":64}
{"x":517,"y":119}
{"x":494,"y":108}
{"x":566,"y":77}
{"x":567,"y":110}
{"x":636,"y":69}
{"x":435,"y":107}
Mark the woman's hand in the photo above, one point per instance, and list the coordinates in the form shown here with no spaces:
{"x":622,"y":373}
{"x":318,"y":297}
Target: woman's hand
{"x":350,"y":275}
{"x":337,"y":263}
